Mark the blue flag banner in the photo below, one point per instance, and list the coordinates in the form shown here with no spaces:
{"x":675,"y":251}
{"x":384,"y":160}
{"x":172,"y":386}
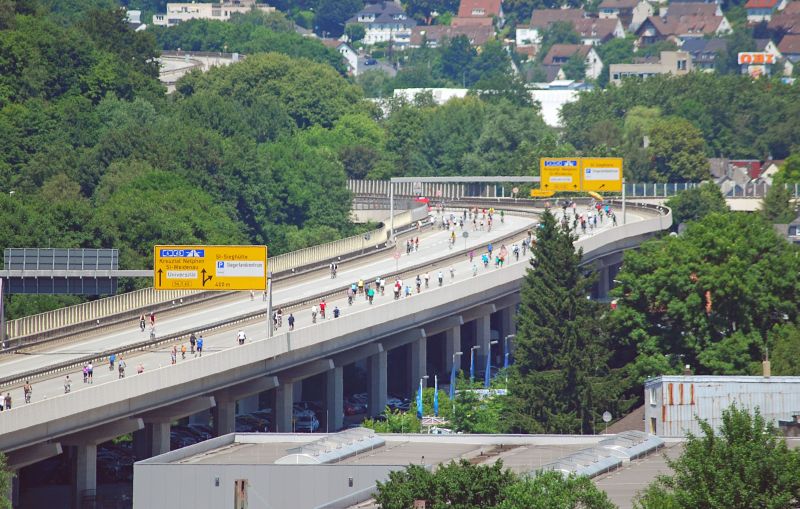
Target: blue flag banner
{"x":436,"y":396}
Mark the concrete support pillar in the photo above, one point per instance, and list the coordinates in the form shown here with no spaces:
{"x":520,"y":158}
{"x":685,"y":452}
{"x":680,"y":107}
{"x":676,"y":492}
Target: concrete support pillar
{"x":483,"y":335}
{"x":248,"y":404}
{"x":603,"y":282}
{"x":13,"y":489}
{"x":85,"y":472}
{"x":284,"y":401}
{"x":418,"y":353}
{"x":160,"y":437}
{"x":508,"y":321}
{"x":224,"y":415}
{"x":376,"y":378}
{"x":451,"y":346}
{"x":334,"y":399}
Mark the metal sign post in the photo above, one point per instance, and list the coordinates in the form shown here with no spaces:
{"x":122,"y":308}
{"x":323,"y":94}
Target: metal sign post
{"x":2,"y":317}
{"x":391,"y":211}
{"x":623,"y":201}
{"x":271,"y":324}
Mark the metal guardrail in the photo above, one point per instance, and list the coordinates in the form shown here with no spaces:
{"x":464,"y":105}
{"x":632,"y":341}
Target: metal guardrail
{"x":115,"y":309}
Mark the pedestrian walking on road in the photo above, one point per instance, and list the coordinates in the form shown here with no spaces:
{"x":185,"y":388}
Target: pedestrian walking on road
{"x":314,"y":312}
{"x":173,"y":356}
{"x":85,"y":373}
{"x":291,"y":321}
{"x":336,"y":309}
{"x":192,"y":342}
{"x":67,"y":384}
{"x":322,"y":305}
{"x":27,"y":390}
{"x":440,"y":276}
{"x":241,"y":336}
{"x":122,"y":367}
{"x":140,"y":369}
{"x":200,"y":346}
{"x":111,"y":359}
{"x":152,"y":319}
{"x":183,"y":352}
{"x":8,"y":401}
{"x":142,"y":322}
{"x":90,"y":372}
{"x":427,"y":279}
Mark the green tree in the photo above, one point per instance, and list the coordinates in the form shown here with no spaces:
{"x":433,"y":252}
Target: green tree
{"x":575,"y":68}
{"x":457,"y":57}
{"x":708,"y":296}
{"x":560,"y":32}
{"x":744,"y":464}
{"x":784,"y":340}
{"x":777,"y":206}
{"x":422,"y":10}
{"x":560,"y":380}
{"x":461,"y":485}
{"x":678,"y":151}
{"x":697,"y":203}
{"x":789,"y":172}
{"x":333,"y":14}
{"x":551,"y":490}
{"x":355,"y":31}
{"x":5,"y":483}
{"x":615,"y":51}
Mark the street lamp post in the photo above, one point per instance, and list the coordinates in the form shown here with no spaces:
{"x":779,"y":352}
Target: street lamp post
{"x":453,"y":376}
{"x":472,"y":363}
{"x":505,"y":349}
{"x":487,"y":377}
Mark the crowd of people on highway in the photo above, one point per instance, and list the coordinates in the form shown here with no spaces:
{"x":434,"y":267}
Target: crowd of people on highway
{"x":591,"y":218}
{"x":363,"y":288}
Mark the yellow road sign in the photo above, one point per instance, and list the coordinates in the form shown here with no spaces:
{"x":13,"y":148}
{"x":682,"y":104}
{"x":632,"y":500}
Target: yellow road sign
{"x":560,"y":174}
{"x":538,"y":193}
{"x":602,"y":174}
{"x":210,"y":267}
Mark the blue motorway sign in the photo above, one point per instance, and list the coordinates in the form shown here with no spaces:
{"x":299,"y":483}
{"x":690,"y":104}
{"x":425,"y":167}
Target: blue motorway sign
{"x":561,"y":163}
{"x":182,"y":253}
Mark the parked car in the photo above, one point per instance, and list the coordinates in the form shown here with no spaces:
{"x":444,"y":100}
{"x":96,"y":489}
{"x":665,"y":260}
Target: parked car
{"x":370,"y":61}
{"x":395,"y":403}
{"x":306,"y":423}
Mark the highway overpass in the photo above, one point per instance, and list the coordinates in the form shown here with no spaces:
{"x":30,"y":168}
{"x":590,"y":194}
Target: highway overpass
{"x":421,"y":334}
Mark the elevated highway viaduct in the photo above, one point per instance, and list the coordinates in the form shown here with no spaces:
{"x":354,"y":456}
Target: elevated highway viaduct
{"x":420,"y":335}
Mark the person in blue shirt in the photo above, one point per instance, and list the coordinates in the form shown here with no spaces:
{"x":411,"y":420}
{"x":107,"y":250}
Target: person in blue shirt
{"x":200,"y":345}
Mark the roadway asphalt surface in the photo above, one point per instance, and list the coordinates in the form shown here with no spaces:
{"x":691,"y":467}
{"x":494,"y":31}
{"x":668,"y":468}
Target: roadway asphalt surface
{"x":433,"y":246}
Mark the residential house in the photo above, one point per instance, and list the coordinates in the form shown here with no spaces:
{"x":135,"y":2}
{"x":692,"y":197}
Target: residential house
{"x":704,"y":52}
{"x":630,"y":12}
{"x":472,"y":22}
{"x":541,"y":19}
{"x":594,"y":31}
{"x":491,"y":9}
{"x":348,"y":54}
{"x":769,"y":47}
{"x":560,"y":54}
{"x":384,"y":22}
{"x":180,"y":12}
{"x":786,"y":21}
{"x":671,"y":62}
{"x":680,"y":29}
{"x":790,"y":47}
{"x":762,"y":10}
{"x":134,"y":20}
{"x":770,"y":168}
{"x":433,"y":36}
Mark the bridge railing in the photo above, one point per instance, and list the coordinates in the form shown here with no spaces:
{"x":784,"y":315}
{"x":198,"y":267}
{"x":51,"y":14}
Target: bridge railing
{"x":139,"y":301}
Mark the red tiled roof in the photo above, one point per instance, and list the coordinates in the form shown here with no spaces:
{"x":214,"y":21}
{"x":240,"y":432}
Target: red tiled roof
{"x":788,"y":23}
{"x":683,"y":25}
{"x":593,"y":28}
{"x":565,"y":51}
{"x":792,"y":8}
{"x":790,"y":44}
{"x":618,"y":4}
{"x":477,"y":35}
{"x":761,"y":4}
{"x":471,"y":22}
{"x":691,"y":9}
{"x":541,"y":18}
{"x":479,"y":8}
{"x":752,"y":167}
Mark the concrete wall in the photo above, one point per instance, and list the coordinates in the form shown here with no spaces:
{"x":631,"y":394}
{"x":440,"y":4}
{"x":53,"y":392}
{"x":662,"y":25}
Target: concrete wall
{"x":281,"y":486}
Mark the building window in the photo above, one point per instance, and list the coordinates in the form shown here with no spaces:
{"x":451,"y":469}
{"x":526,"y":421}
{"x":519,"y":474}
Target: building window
{"x":653,"y":396}
{"x":681,"y":65}
{"x":478,"y":12}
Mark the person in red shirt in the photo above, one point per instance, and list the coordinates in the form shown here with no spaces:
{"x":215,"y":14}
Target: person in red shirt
{"x":322,"y":308}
